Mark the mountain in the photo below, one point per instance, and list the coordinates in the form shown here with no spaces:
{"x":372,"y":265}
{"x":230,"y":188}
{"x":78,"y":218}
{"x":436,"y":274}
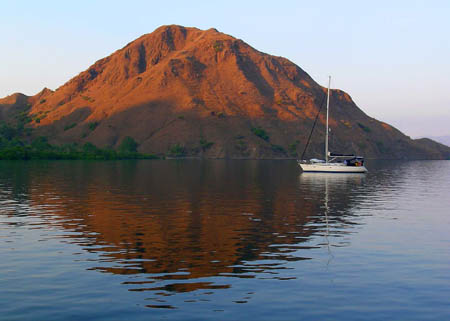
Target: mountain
{"x":189,"y":92}
{"x":441,"y":139}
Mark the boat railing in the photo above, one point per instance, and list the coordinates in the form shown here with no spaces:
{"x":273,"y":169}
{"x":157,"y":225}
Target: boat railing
{"x":311,"y":161}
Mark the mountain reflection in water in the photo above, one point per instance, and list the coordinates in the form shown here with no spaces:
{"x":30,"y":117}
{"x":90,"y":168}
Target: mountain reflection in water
{"x":180,"y":226}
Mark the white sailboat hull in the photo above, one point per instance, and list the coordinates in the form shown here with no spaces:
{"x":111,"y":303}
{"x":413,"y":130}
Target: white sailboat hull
{"x":331,"y":168}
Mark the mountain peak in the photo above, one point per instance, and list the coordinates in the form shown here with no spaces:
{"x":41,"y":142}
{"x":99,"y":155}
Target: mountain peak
{"x":207,"y":93}
{"x":16,"y":98}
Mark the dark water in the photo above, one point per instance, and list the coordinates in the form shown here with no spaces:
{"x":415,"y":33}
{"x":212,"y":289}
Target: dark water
{"x":247,"y":240}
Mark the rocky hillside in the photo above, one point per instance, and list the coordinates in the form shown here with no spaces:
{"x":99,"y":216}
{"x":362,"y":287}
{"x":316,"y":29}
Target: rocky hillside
{"x":188,"y":92}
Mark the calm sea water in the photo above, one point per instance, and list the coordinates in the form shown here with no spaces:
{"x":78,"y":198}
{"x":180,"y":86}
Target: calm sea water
{"x":223,"y":240}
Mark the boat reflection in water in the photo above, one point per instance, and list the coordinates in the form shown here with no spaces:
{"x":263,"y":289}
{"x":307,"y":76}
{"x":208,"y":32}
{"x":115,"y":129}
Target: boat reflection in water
{"x":338,"y":188}
{"x":335,"y":179}
{"x":183,"y":227}
{"x":223,"y":240}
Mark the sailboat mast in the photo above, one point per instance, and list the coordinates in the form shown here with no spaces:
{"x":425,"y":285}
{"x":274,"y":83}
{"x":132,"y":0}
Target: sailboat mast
{"x":326,"y":134}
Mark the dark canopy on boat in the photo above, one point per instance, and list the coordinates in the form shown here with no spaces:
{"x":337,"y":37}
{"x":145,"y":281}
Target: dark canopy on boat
{"x":341,"y":155}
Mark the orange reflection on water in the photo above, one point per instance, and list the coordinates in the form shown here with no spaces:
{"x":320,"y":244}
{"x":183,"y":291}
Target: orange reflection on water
{"x":176,"y":221}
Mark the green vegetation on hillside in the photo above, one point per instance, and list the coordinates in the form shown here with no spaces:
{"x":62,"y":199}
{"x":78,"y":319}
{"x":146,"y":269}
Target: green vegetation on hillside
{"x":218,"y":46}
{"x":364,"y":128}
{"x":70,"y":126}
{"x":278,"y":149}
{"x":205,"y":145}
{"x":128,"y":145}
{"x":261,"y":133}
{"x":293,"y":148}
{"x":93,"y":125}
{"x":177,"y":150}
{"x":14,"y":145}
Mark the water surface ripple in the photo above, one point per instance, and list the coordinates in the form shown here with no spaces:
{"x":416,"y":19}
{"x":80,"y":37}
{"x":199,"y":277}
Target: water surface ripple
{"x":223,"y":240}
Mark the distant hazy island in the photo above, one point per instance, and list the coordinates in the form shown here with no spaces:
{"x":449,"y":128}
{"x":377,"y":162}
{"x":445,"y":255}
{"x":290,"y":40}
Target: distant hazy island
{"x":185,"y":92}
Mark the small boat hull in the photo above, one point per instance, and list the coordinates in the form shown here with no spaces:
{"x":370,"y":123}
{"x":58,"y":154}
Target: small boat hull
{"x":331,"y":168}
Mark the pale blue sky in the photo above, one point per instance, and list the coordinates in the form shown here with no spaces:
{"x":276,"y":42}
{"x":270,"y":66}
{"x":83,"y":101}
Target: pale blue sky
{"x":392,"y":58}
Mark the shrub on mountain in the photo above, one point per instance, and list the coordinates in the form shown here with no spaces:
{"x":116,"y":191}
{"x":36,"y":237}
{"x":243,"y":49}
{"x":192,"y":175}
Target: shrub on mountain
{"x":128,"y":145}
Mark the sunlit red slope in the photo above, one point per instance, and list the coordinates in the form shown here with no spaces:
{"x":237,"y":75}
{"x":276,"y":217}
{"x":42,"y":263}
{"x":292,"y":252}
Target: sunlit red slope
{"x":192,"y":87}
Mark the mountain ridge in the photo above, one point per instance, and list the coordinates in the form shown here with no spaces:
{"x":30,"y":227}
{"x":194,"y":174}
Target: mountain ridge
{"x":192,"y":92}
{"x":444,"y":139}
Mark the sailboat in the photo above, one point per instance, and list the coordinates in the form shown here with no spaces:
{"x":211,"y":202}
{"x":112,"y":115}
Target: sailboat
{"x":333,"y":163}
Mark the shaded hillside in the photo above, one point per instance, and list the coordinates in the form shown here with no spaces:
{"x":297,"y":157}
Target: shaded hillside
{"x":188,"y":92}
{"x":441,"y":139}
{"x":433,"y":147}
